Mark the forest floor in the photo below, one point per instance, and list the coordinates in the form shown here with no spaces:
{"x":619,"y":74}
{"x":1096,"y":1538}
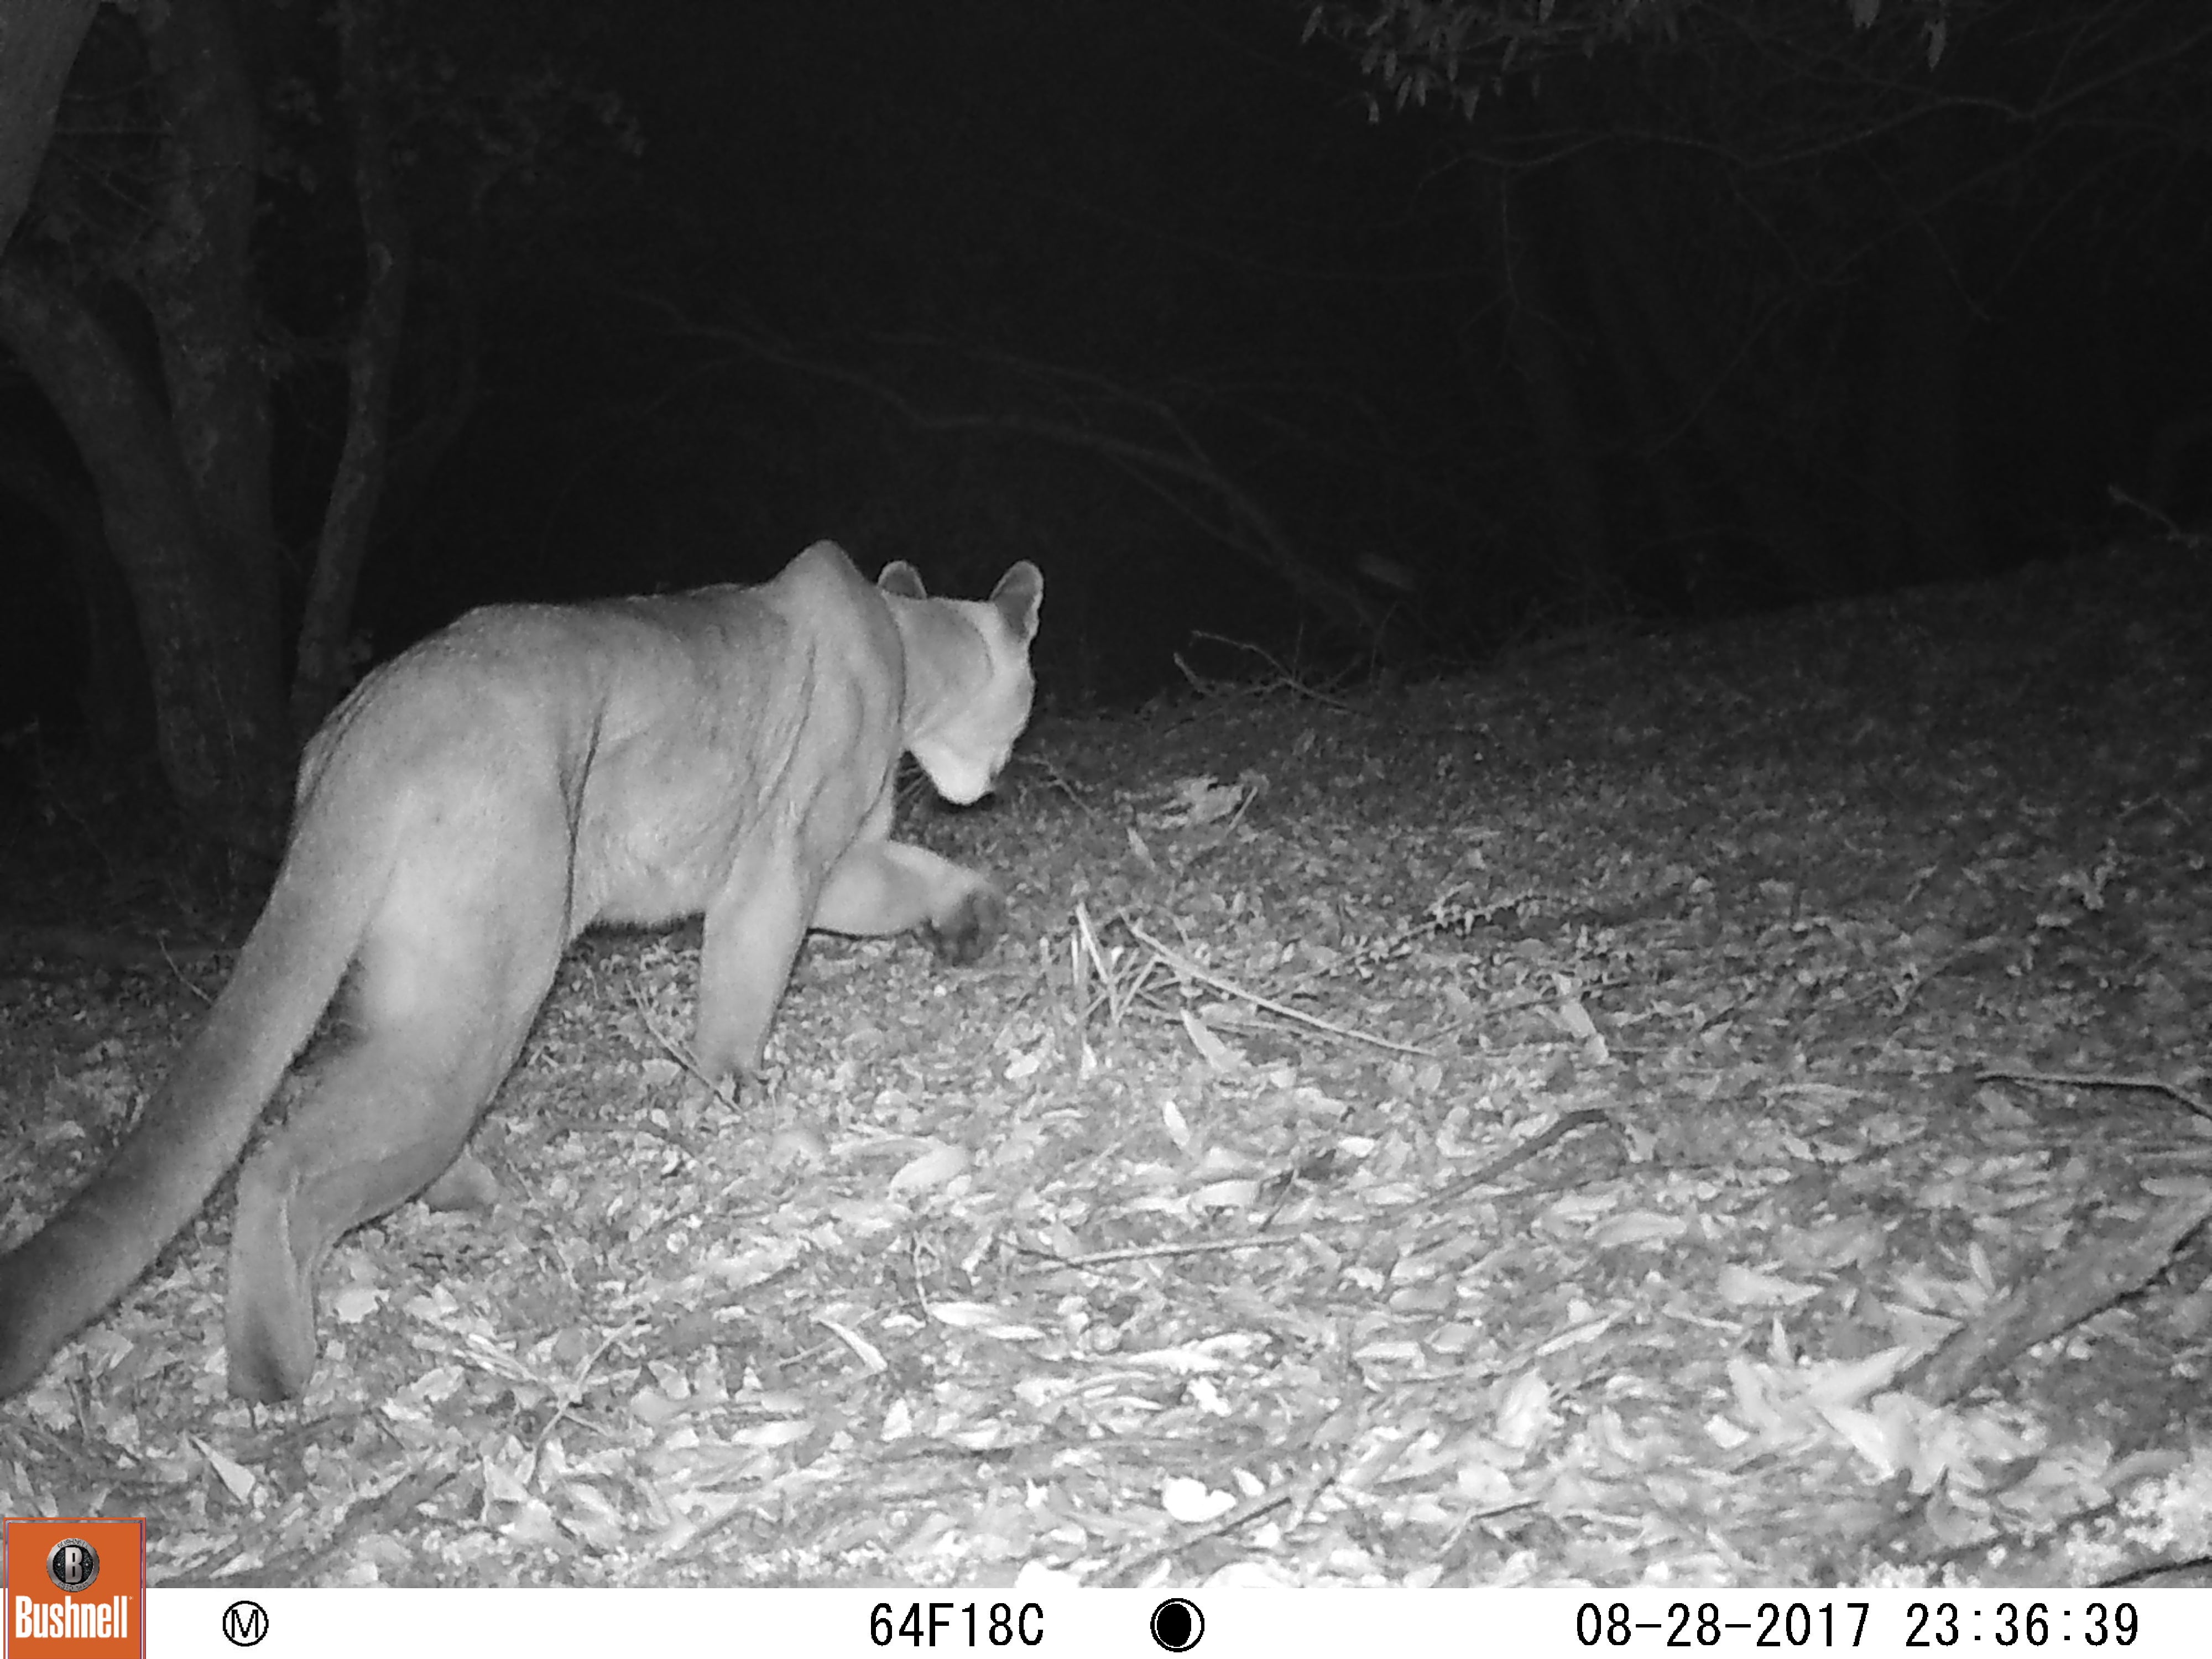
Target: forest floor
{"x":1718,"y":1106}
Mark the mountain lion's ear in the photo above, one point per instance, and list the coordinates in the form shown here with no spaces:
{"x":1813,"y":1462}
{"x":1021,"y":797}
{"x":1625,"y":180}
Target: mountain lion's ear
{"x":1020,"y":594}
{"x":902,"y":579}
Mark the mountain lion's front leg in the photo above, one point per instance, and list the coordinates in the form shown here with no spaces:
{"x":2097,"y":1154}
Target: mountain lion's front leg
{"x":753,"y":933}
{"x":889,"y":887}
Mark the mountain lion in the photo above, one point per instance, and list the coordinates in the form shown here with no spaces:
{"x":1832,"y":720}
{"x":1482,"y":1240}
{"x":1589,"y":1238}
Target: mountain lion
{"x":475,"y":804}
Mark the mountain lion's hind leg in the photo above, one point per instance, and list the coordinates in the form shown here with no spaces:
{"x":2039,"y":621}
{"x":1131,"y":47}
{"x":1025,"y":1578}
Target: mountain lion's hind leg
{"x":440,"y":1013}
{"x":889,"y":887}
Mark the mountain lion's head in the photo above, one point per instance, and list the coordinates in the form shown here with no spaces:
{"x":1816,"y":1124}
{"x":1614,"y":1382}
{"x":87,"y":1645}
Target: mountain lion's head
{"x":969,"y":684}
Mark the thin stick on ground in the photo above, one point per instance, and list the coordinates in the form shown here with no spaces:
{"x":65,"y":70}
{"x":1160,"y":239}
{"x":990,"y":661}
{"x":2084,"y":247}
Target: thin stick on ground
{"x":1487,"y":1174}
{"x":1189,"y":969}
{"x":2097,"y":1080}
{"x":1302,"y":1489}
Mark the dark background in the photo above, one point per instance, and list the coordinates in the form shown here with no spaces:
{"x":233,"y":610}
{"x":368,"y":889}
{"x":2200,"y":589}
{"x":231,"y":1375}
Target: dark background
{"x":1186,"y":308}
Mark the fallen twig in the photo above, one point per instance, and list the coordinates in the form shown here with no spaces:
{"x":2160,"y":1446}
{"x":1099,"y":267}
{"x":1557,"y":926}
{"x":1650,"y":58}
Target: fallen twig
{"x":1284,"y":678}
{"x":1566,"y":1125}
{"x":1193,"y":1247}
{"x":723,"y":1092}
{"x":1303,"y":1489}
{"x":2040,"y":1308}
{"x":2097,"y":1080}
{"x":575,"y":1389}
{"x":1184,"y":966}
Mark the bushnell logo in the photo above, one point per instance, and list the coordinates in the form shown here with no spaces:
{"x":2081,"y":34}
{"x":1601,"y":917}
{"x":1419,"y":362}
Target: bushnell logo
{"x":72,"y":1564}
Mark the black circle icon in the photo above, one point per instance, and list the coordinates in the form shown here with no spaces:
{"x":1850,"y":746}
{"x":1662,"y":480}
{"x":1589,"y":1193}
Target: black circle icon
{"x":1177,"y":1625}
{"x":244,"y":1623}
{"x":72,"y":1564}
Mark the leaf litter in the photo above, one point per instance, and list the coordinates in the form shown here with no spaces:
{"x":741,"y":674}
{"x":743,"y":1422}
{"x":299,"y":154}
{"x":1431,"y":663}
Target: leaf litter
{"x":1721,"y":1105}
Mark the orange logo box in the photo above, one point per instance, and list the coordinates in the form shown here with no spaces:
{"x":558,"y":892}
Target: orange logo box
{"x":75,"y":1590}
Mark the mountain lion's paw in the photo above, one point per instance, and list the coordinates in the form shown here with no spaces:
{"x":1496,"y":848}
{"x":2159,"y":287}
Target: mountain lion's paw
{"x":964,"y":933}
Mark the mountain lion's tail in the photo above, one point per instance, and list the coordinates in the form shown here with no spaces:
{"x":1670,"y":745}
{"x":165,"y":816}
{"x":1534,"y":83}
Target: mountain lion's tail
{"x":195,"y":1128}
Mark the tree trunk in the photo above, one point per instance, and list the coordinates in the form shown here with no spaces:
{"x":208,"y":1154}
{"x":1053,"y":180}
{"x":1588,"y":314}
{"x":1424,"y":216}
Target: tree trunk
{"x":197,"y":283}
{"x":39,"y":41}
{"x":1578,"y":534}
{"x":323,"y":670}
{"x":218,"y":705}
{"x":113,"y":696}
